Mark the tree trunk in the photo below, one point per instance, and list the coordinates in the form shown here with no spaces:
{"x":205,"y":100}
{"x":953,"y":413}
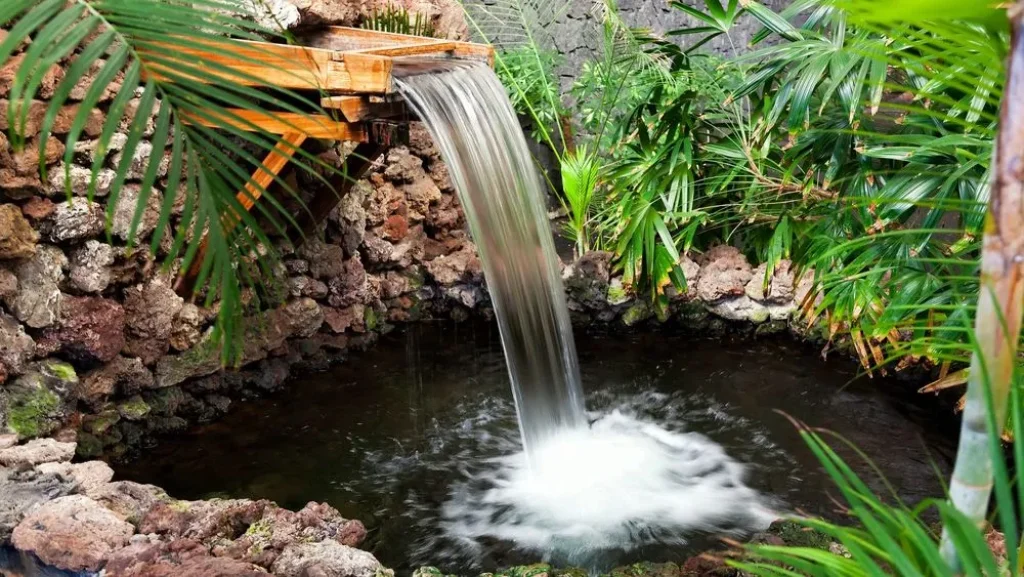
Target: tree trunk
{"x":998,"y":320}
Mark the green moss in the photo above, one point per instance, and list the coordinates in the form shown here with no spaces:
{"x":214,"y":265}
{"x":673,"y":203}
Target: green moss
{"x":102,"y":422}
{"x":796,"y":535}
{"x":259,"y":529}
{"x":535,"y":570}
{"x":89,"y":446}
{"x":179,"y":506}
{"x":134,"y":409}
{"x":759,"y":315}
{"x":27,"y":415}
{"x":61,"y":370}
{"x":637,"y":313}
{"x":370,"y":318}
{"x":617,"y":294}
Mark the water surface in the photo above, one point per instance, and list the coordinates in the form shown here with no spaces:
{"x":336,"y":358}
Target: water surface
{"x":387,"y":436}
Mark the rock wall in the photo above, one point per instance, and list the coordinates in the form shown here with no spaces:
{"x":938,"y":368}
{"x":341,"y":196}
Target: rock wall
{"x":96,"y":347}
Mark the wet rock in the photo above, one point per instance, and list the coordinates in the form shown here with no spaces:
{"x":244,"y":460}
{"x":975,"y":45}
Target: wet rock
{"x":38,"y":300}
{"x":17,"y":239}
{"x":705,"y":566}
{"x":90,"y":331}
{"x":617,"y":293}
{"x":329,"y":558}
{"x":39,"y":401}
{"x":150,"y":311}
{"x":134,"y":409}
{"x":203,"y":520}
{"x":122,"y":375}
{"x":90,"y":267}
{"x":16,"y":347}
{"x":780,"y":289}
{"x":463,"y":265}
{"x":87,"y":477}
{"x":725,"y":273}
{"x":37,"y":452}
{"x":75,"y":220}
{"x":740,"y":309}
{"x":21,"y":491}
{"x":187,"y":332}
{"x":73,"y":533}
{"x":125,"y":212}
{"x":637,"y":313}
{"x":587,"y":279}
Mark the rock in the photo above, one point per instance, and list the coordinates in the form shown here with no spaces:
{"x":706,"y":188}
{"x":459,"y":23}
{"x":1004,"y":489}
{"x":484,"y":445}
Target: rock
{"x":134,"y":409}
{"x":73,"y":533}
{"x":141,"y":158}
{"x":124,"y":213}
{"x":8,"y":284}
{"x":77,"y":180}
{"x":90,"y":331}
{"x":329,"y":558}
{"x":37,"y":452}
{"x":129,"y":501}
{"x":636,"y":314}
{"x":75,"y":220}
{"x":326,"y":261}
{"x":351,"y":217}
{"x":27,"y":161}
{"x":780,"y":289}
{"x":38,"y":300}
{"x":349,"y":287}
{"x":180,"y":558}
{"x":277,"y":15}
{"x":617,"y":293}
{"x":804,"y":287}
{"x":16,"y":347}
{"x":466,"y":295}
{"x":419,"y":195}
{"x":33,"y":119}
{"x":740,"y":309}
{"x":725,"y":273}
{"x":90,"y":270}
{"x":318,"y":13}
{"x":21,"y":491}
{"x":377,"y":250}
{"x":587,"y":279}
{"x":38,"y":208}
{"x":150,"y":311}
{"x":395,"y":228}
{"x":17,"y":239}
{"x":87,"y":477}
{"x":122,"y":375}
{"x":463,"y":265}
{"x":186,"y":332}
{"x":340,"y":320}
{"x":304,"y":286}
{"x":40,"y":400}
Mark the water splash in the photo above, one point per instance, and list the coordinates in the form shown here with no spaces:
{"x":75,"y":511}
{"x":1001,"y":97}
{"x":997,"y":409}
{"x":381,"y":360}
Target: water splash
{"x":467,"y":112}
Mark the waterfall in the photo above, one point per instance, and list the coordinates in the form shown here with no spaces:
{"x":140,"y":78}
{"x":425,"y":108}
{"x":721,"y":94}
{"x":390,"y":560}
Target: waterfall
{"x":467,"y":112}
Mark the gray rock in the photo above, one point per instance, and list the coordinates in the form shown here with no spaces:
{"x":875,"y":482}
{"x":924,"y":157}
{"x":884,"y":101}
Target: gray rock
{"x":326,"y":261}
{"x":88,"y":476}
{"x":327,"y":558}
{"x":278,"y":15}
{"x":150,"y":311}
{"x":140,"y":161}
{"x":741,"y":308}
{"x":21,"y":491}
{"x":16,"y":347}
{"x":75,"y":220}
{"x":124,"y":213}
{"x":187,"y":331}
{"x":780,"y":288}
{"x":90,"y":270}
{"x":37,"y":452}
{"x":40,"y":400}
{"x":79,"y":178}
{"x":38,"y":300}
{"x":587,"y":279}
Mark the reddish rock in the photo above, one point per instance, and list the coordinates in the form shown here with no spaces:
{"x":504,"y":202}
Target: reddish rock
{"x":73,"y":533}
{"x":706,"y":566}
{"x":129,"y":501}
{"x":123,"y":375}
{"x":150,"y":311}
{"x":38,"y":208}
{"x":725,"y":273}
{"x":34,"y":120}
{"x":90,"y":330}
{"x":349,"y":287}
{"x":27,"y":161}
{"x":340,"y":320}
{"x":395,"y":228}
{"x":180,"y":558}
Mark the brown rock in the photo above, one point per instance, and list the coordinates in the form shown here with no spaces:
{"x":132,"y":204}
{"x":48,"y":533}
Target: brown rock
{"x":349,"y":287}
{"x":395,"y":228}
{"x":73,"y":533}
{"x":27,"y":162}
{"x":150,"y":311}
{"x":326,"y":558}
{"x":16,"y":347}
{"x":186,"y":332}
{"x":38,"y":208}
{"x":340,"y":320}
{"x":85,"y":83}
{"x":455,"y":267}
{"x":33,"y":122}
{"x":15,"y":187}
{"x":123,"y":376}
{"x":66,"y":118}
{"x":725,"y":273}
{"x":90,"y":330}
{"x":8,"y":284}
{"x":326,"y":261}
{"x":182,"y":558}
{"x":17,"y":239}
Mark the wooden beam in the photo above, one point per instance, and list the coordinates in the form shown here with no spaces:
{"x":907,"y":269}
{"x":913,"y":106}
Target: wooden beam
{"x":359,"y":108}
{"x":310,"y":125}
{"x":357,"y":164}
{"x":435,"y":47}
{"x":264,"y":176}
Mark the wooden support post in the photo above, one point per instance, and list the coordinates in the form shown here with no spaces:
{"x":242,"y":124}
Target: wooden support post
{"x":356,"y":166}
{"x":247,"y":197}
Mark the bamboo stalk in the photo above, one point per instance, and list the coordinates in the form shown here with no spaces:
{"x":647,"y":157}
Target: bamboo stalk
{"x":998,"y":321}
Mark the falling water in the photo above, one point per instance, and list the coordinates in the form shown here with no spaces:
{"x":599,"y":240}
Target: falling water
{"x":579,"y":489}
{"x":467,"y":111}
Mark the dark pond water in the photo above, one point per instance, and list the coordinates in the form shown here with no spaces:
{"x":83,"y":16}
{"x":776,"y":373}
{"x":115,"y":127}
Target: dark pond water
{"x":386,"y":436}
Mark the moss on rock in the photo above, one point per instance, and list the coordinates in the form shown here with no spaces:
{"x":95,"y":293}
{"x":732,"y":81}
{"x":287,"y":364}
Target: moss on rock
{"x":89,"y":446}
{"x":30,"y":415}
{"x":134,"y":409}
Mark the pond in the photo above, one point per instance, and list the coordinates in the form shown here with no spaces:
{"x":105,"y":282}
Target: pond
{"x":389,"y":435}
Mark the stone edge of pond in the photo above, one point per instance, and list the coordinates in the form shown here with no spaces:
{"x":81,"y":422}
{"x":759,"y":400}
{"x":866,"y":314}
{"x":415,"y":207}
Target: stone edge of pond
{"x":74,"y":517}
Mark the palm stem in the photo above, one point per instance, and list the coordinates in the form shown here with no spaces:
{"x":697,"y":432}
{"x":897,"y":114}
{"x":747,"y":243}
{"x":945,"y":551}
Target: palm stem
{"x":998,"y":320}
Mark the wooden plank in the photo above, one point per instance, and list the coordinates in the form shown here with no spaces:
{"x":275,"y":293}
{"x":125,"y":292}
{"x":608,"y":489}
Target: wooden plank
{"x":357,"y":164}
{"x":264,"y":176}
{"x":362,"y":73}
{"x":247,"y":62}
{"x":312,"y":126}
{"x":436,"y":47}
{"x":359,"y":108}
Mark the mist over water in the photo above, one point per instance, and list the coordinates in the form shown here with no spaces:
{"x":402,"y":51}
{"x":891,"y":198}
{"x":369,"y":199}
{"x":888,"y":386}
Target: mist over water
{"x":575,"y":490}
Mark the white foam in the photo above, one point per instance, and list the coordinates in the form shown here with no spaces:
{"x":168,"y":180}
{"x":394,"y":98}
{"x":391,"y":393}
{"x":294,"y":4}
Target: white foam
{"x":623,"y":483}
